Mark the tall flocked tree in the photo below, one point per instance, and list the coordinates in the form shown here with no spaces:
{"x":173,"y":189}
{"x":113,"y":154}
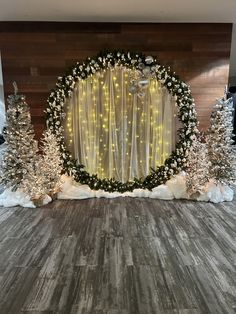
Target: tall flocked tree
{"x":51,"y":162}
{"x":21,"y":147}
{"x":197,"y":168}
{"x":221,"y":151}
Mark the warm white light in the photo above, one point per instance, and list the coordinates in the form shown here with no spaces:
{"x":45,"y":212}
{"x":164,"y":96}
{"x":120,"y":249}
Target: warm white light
{"x":103,"y":99}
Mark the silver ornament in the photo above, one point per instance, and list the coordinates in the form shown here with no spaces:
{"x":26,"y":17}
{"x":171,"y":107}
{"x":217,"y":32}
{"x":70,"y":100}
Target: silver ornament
{"x":143,"y":83}
{"x":149,"y":60}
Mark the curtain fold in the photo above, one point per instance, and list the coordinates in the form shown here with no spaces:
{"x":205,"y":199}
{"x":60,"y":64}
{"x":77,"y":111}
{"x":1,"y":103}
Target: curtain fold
{"x":114,"y":132}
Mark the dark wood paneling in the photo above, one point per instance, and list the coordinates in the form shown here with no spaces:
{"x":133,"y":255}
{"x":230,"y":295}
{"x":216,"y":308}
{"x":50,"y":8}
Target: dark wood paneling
{"x":35,"y":53}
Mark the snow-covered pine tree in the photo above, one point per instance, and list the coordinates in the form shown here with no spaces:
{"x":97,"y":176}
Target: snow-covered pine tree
{"x":21,"y":147}
{"x":197,"y":168}
{"x":221,"y":151}
{"x":34,"y":180}
{"x":51,"y":162}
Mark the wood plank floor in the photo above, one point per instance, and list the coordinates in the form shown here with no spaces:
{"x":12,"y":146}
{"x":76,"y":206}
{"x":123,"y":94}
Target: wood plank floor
{"x":118,"y":256}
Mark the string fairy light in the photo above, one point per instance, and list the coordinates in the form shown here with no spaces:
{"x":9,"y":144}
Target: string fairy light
{"x":94,"y":122}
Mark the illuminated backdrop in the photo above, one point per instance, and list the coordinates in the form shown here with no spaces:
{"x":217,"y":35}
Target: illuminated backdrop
{"x":141,"y":71}
{"x":120,"y":125}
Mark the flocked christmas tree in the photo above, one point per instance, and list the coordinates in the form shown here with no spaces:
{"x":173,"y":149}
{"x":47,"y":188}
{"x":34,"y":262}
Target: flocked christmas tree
{"x":51,"y":162}
{"x":21,"y":147}
{"x":43,"y":175}
{"x":197,"y":168}
{"x":34,"y":182}
{"x":221,"y":151}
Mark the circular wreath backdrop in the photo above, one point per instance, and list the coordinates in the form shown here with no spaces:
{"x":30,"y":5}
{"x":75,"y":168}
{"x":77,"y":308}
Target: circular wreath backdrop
{"x":104,"y":60}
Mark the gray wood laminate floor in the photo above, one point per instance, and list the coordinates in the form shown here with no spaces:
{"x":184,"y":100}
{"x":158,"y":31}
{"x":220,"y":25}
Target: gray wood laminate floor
{"x":118,"y":256}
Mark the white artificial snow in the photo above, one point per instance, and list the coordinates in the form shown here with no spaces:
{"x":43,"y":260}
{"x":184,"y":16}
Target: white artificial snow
{"x":162,"y":192}
{"x":47,"y":199}
{"x":129,"y":194}
{"x":102,"y":193}
{"x":73,"y":190}
{"x":18,"y":198}
{"x":177,"y":185}
{"x":216,"y":193}
{"x":174,"y":188}
{"x":11,"y":198}
{"x":203,"y":197}
{"x":227,"y":193}
{"x":139,"y":193}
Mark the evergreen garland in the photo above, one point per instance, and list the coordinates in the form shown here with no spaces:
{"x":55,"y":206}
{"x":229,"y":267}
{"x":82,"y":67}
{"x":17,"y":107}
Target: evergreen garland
{"x":132,"y":60}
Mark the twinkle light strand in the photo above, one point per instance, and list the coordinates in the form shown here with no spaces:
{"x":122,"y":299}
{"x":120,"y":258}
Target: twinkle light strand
{"x":129,"y":60}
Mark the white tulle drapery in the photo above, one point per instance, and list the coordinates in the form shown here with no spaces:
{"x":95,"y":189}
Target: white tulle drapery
{"x":115,"y":132}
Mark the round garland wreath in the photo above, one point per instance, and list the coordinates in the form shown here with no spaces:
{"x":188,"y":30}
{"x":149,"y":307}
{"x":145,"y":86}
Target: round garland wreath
{"x":104,"y":60}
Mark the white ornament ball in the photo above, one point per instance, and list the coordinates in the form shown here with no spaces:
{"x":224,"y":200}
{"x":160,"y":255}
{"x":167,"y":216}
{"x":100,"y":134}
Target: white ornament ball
{"x":149,"y":59}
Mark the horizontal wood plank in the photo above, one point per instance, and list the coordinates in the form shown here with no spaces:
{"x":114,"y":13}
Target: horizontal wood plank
{"x":35,"y":53}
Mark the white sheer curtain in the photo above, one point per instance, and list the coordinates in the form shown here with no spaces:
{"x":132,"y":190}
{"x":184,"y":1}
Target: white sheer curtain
{"x":116,"y":134}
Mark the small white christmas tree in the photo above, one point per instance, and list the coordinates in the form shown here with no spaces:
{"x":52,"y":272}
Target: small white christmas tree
{"x":197,"y":168}
{"x":34,"y":180}
{"x":43,"y":176}
{"x":51,"y":163}
{"x":221,"y":151}
{"x":21,"y":147}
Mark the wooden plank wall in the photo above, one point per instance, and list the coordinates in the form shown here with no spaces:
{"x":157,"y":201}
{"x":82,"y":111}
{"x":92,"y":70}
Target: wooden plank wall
{"x":35,"y":53}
